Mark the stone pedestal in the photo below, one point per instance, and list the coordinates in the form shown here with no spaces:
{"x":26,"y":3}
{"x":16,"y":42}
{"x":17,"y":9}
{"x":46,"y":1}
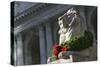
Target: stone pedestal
{"x":61,"y":61}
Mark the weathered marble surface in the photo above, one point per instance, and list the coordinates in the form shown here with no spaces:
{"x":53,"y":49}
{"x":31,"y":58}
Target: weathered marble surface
{"x":60,"y":61}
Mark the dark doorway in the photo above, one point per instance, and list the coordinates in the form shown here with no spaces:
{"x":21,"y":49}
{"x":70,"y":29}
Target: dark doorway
{"x":31,"y":50}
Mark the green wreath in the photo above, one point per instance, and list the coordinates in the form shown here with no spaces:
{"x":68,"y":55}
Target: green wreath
{"x":81,"y":43}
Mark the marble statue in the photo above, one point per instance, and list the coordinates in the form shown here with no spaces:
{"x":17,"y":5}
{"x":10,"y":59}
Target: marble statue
{"x":70,"y":25}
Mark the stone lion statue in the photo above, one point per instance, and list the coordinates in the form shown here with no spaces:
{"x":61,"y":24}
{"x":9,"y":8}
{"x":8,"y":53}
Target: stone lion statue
{"x":71,"y":24}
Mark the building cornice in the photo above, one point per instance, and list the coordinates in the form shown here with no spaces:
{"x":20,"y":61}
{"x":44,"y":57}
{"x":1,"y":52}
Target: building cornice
{"x":32,"y":9}
{"x":42,"y":17}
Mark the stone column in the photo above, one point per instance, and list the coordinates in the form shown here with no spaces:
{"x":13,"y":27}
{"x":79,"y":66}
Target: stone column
{"x":49,"y":39}
{"x":42,"y":45}
{"x":19,"y":50}
{"x":15,"y":52}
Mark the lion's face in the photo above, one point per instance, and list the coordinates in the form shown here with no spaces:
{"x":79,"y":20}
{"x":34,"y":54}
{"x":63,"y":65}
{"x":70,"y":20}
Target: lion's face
{"x":66,"y":20}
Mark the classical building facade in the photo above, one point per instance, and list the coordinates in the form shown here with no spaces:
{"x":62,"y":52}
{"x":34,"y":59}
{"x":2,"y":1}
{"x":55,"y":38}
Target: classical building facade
{"x":36,"y":30}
